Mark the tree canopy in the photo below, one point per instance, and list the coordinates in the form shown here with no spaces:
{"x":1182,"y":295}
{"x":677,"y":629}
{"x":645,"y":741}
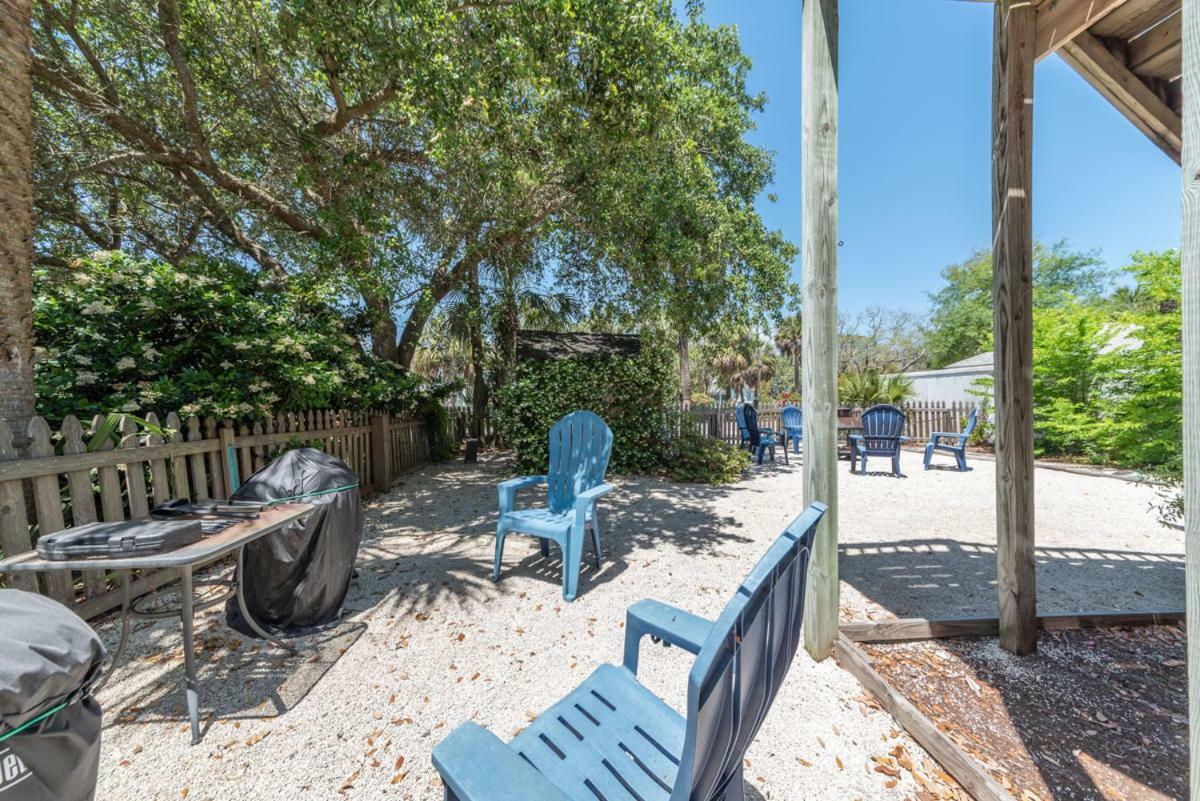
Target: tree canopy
{"x":385,"y":151}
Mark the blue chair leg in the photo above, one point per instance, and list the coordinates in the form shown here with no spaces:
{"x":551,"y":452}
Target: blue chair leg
{"x":862,"y":463}
{"x":596,"y":537}
{"x":501,"y":533}
{"x":961,"y":456}
{"x":572,"y":556}
{"x":928,"y":454}
{"x":544,"y":544}
{"x":896,"y":464}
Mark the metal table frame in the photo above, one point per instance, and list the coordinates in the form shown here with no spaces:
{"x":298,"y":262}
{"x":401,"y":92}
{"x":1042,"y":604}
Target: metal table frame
{"x":232,"y":540}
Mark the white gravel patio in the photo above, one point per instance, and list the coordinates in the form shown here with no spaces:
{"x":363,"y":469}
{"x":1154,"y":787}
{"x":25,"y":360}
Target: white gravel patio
{"x":431,"y":641}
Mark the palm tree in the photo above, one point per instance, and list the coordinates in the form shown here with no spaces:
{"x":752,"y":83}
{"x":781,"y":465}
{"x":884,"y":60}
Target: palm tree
{"x":789,"y":339}
{"x":16,"y":217}
{"x":729,"y":364}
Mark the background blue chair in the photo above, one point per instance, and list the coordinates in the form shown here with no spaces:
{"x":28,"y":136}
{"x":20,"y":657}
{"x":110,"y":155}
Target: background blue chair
{"x":759,"y":441}
{"x":793,"y":427}
{"x":955,"y":444}
{"x":611,"y":738}
{"x":883,"y":433}
{"x":580,"y":446}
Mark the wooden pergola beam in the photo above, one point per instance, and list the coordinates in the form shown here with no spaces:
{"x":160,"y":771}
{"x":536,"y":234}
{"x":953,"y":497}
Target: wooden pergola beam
{"x":1060,"y":22}
{"x":819,"y":97}
{"x":1190,"y":258}
{"x":1012,"y":276}
{"x":1105,"y":71}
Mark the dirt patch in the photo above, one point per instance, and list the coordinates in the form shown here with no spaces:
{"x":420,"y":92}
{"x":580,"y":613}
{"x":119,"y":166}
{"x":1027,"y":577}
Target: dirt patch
{"x":1098,"y":714}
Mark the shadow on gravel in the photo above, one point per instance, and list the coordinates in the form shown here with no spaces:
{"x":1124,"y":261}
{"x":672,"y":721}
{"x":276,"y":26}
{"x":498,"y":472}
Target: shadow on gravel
{"x":432,"y":537}
{"x":949,"y":578}
{"x":239,"y":677}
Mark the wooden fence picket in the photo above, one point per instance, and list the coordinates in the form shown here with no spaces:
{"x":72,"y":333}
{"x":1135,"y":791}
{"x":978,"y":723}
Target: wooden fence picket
{"x":82,"y":497}
{"x":14,"y":524}
{"x":48,"y":503}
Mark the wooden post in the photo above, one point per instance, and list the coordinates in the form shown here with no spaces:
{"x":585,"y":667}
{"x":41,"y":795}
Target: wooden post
{"x":228,"y":457}
{"x":1190,"y":256}
{"x":1012,"y":264}
{"x":381,"y":452}
{"x":819,"y":39}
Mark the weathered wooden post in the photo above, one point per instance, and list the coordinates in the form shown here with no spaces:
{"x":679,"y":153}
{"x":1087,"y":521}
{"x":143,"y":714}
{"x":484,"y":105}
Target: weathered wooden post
{"x":1191,"y":368}
{"x":229,"y":458}
{"x":381,"y":452}
{"x":820,"y":148}
{"x":1012,"y":265}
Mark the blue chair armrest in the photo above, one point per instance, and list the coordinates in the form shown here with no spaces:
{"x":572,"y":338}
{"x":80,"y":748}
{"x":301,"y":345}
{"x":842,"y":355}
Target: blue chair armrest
{"x":584,"y":498}
{"x":477,"y":766}
{"x":508,"y":490}
{"x":935,"y":436}
{"x":671,"y":625}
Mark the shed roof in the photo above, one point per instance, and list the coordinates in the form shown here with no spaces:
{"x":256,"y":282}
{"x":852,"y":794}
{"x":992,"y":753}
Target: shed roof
{"x":565,"y":345}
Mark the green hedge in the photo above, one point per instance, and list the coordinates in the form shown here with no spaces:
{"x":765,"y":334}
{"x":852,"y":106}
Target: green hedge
{"x":634,"y":396}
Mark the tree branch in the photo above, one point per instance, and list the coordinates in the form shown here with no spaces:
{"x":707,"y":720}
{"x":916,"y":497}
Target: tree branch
{"x":170,"y":155}
{"x":169,"y":25}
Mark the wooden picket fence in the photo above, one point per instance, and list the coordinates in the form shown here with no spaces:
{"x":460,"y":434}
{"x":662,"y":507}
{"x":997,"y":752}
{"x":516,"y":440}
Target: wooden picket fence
{"x":923,"y":418}
{"x":64,"y":484}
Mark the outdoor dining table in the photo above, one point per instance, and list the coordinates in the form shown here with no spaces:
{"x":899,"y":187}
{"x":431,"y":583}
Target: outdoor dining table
{"x":231,"y":540}
{"x":844,"y":431}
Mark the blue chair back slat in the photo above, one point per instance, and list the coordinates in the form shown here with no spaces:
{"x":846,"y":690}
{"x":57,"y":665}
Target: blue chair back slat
{"x":972,"y":419}
{"x":750,"y":418}
{"x":580,"y":446}
{"x":739,"y":414}
{"x":792,"y":417}
{"x":743,"y":663}
{"x":884,"y":420}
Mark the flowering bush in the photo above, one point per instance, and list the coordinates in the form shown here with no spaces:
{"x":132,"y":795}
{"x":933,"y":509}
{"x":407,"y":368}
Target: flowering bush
{"x":118,"y":333}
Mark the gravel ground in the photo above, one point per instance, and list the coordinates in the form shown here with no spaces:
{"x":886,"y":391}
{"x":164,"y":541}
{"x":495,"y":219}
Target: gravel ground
{"x":431,"y":642}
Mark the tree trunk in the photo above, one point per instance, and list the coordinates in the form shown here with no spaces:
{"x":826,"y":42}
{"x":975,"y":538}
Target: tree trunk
{"x":685,"y":374}
{"x":443,"y":281}
{"x":383,"y":325}
{"x":16,"y":217}
{"x":796,"y":370}
{"x":479,"y":400}
{"x":506,"y":333}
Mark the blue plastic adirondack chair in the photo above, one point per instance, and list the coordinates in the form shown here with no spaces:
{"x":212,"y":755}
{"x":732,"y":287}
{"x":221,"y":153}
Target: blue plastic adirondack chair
{"x":758,"y":441}
{"x":611,"y":739}
{"x":883,"y":429}
{"x":955,"y":444}
{"x":580,"y":446}
{"x":793,"y":427}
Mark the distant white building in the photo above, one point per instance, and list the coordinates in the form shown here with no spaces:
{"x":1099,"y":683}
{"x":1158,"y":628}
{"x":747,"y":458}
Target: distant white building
{"x":952,"y":383}
{"x":955,"y":382}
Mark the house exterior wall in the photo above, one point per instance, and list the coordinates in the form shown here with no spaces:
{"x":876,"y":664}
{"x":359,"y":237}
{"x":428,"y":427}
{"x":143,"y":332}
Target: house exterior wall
{"x":948,"y":385}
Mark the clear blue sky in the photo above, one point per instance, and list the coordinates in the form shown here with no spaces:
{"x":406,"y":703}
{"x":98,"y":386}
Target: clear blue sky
{"x":915,"y":86}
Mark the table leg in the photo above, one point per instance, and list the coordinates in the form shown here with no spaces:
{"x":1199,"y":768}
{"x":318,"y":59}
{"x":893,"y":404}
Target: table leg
{"x":239,"y":584}
{"x":189,"y":657}
{"x":116,"y":657}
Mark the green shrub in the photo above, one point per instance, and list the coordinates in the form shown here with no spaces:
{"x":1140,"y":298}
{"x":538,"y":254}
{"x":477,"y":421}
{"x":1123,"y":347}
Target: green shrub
{"x":634,"y":396}
{"x":704,"y":460}
{"x":122,"y":334}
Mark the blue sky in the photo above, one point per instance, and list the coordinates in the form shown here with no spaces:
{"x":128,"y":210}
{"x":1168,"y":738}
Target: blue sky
{"x":915,"y":86}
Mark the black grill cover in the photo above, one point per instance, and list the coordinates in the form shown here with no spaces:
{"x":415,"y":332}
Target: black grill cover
{"x":296,"y":578}
{"x":49,"y":659}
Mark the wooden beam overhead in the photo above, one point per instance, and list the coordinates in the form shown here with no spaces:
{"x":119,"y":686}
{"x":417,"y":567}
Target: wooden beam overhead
{"x":1012,"y":296}
{"x":819,"y":148}
{"x":1133,"y":18}
{"x":1157,"y":51}
{"x":1060,"y":21}
{"x":1105,"y":71}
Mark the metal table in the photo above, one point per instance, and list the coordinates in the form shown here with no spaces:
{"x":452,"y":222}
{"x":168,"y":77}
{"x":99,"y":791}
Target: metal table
{"x":186,"y":559}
